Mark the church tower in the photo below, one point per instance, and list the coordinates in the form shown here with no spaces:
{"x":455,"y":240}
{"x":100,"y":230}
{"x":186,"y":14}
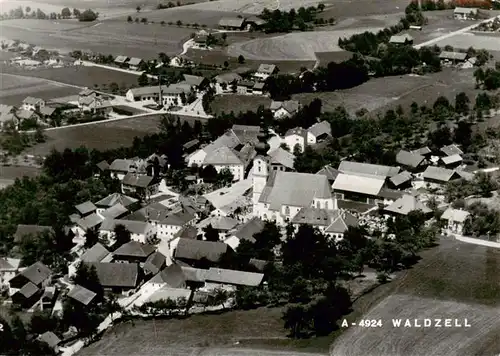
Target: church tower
{"x":260,"y":169}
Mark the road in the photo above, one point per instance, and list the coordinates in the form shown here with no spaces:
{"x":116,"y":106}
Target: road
{"x":451,"y":34}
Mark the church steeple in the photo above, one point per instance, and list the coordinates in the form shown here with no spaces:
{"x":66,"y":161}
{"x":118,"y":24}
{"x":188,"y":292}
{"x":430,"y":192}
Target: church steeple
{"x":262,"y":146}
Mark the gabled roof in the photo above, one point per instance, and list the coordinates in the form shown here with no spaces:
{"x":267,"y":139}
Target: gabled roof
{"x":103,"y":165}
{"x":90,"y":221}
{"x":9,"y":264}
{"x":81,"y":294}
{"x":86,"y":207}
{"x":223,"y":223}
{"x":358,"y":184}
{"x":121,"y":165}
{"x":231,"y":22}
{"x":134,"y":249}
{"x":368,"y":169}
{"x":465,"y":10}
{"x":6,"y":108}
{"x":259,"y":86}
{"x":401,"y":38}
{"x":26,"y":230}
{"x":32,"y":101}
{"x":46,"y":110}
{"x":194,"y":274}
{"x":409,"y":159}
{"x":422,"y":151}
{"x":291,"y":106}
{"x":227,"y":195}
{"x":197,"y":250}
{"x":121,"y":59}
{"x":179,"y":218}
{"x":455,"y":215}
{"x":229,"y":139}
{"x":295,"y":189}
{"x":125,"y":275}
{"x":227,"y":78}
{"x":187,"y":232}
{"x":329,"y":172}
{"x":248,"y":229}
{"x":154,"y":263}
{"x":172,"y":276}
{"x":297,"y":131}
{"x":439,"y":174}
{"x":406,"y":204}
{"x":313,"y":216}
{"x":451,"y":150}
{"x":266,"y":68}
{"x":95,"y":254}
{"x":25,"y":114}
{"x":456,"y":56}
{"x":36,"y":273}
{"x":50,"y":339}
{"x":281,"y":156}
{"x":228,"y":276}
{"x":246,"y":133}
{"x":194,"y":80}
{"x":87,"y":92}
{"x":135,"y":227}
{"x":401,"y":178}
{"x":116,"y":198}
{"x":137,"y":180}
{"x":320,"y":128}
{"x":134,"y":61}
{"x":114,"y":212}
{"x":451,"y":159}
{"x":28,"y":290}
{"x":222,"y":156}
{"x":341,"y":222}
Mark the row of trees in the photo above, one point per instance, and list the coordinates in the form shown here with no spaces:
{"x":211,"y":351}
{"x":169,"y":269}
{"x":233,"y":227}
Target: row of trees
{"x":489,"y":79}
{"x":286,"y":21}
{"x":19,"y":13}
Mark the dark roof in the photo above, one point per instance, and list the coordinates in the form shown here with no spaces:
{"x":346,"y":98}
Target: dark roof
{"x":401,"y":178}
{"x":228,"y":276}
{"x":81,"y":294}
{"x":86,"y":207}
{"x":36,"y":273}
{"x":194,"y":80}
{"x":197,"y":249}
{"x":178,"y":219}
{"x":154,"y":263}
{"x":103,"y":165}
{"x":114,"y":199}
{"x":409,"y":159}
{"x":25,"y":230}
{"x":451,"y":150}
{"x":136,"y":180}
{"x":95,"y":254}
{"x":28,"y":290}
{"x":117,"y":274}
{"x":134,"y":249}
{"x":50,"y":339}
{"x":187,"y":232}
{"x":173,"y":276}
{"x":258,"y":264}
{"x":114,"y":212}
{"x":90,"y":221}
{"x":330,"y":172}
{"x":246,"y":133}
{"x":248,"y":229}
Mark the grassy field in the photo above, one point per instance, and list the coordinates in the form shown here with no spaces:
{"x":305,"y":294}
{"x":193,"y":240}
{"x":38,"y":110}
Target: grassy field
{"x":238,"y":103}
{"x":14,"y":88}
{"x":13,"y":172}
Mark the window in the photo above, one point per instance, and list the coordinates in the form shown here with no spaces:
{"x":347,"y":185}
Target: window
{"x":318,"y":204}
{"x":326,"y":205}
{"x":287,"y":210}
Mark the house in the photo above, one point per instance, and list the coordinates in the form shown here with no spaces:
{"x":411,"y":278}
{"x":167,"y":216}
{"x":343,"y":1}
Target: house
{"x":47,"y":112}
{"x":284,"y":109}
{"x":81,"y":295}
{"x":120,"y":167}
{"x":23,"y":114}
{"x":133,"y":252}
{"x":281,"y":160}
{"x":171,"y":277}
{"x":254,"y":23}
{"x":229,"y":139}
{"x":423,"y":151}
{"x":116,"y":198}
{"x":358,"y":168}
{"x":455,"y":220}
{"x":167,"y":96}
{"x":195,"y":81}
{"x":259,"y":88}
{"x":227,"y":200}
{"x":340,"y":223}
{"x":140,"y":184}
{"x":92,"y":221}
{"x":224,"y":82}
{"x":452,"y":161}
{"x":26,"y":296}
{"x":135,"y":63}
{"x":448,"y":57}
{"x":246,"y":133}
{"x":232,"y":23}
{"x":333,"y":223}
{"x":279,"y":196}
{"x":118,"y":277}
{"x":401,"y":180}
{"x":121,"y":61}
{"x":245,"y":231}
{"x":33,"y":104}
{"x":30,"y":231}
{"x":465,"y":13}
{"x":140,"y":231}
{"x":223,"y":224}
{"x":296,"y":139}
{"x":225,"y":157}
{"x":318,"y":132}
{"x":9,"y":267}
{"x":97,"y":253}
{"x":358,"y":188}
{"x":37,"y":275}
{"x":329,"y":172}
{"x":411,"y":161}
{"x":200,"y":39}
{"x":193,"y":251}
{"x":265,"y":71}
{"x":154,"y":263}
{"x":50,"y":339}
{"x":233,"y":277}
{"x":405,"y":39}
{"x":117,"y":211}
{"x":245,"y":87}
{"x":86,"y":208}
{"x":169,"y":224}
{"x":48,"y":298}
{"x":438,"y":175}
{"x":95,"y":105}
{"x":451,"y":150}
{"x":406,"y":204}
{"x":469,"y":63}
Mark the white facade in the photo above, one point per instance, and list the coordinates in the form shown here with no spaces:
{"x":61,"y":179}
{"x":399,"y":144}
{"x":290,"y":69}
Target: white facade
{"x":197,"y":158}
{"x":311,"y":139}
{"x":143,"y":237}
{"x":260,"y":172}
{"x":166,"y":232}
{"x":281,"y":113}
{"x":238,"y":170}
{"x":32,"y":107}
{"x":294,"y":139}
{"x":168,"y":100}
{"x":261,"y":76}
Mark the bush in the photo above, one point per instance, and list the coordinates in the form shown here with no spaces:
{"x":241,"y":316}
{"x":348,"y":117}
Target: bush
{"x":88,"y":16}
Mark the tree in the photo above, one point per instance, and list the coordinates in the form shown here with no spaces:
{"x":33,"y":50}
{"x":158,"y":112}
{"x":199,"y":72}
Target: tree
{"x":84,"y":319}
{"x":211,"y":234}
{"x":138,"y":8}
{"x":122,"y":235}
{"x":66,"y":13}
{"x":219,"y":297}
{"x":226,"y":64}
{"x":462,"y":103}
{"x":18,"y":332}
{"x":91,"y":237}
{"x":225,"y":177}
{"x":321,"y":7}
{"x":27,"y":10}
{"x":129,"y":19}
{"x":40,"y":14}
{"x":42,"y":321}
{"x":143,"y":80}
{"x":296,"y":320}
{"x":88,"y":16}
{"x":179,"y":23}
{"x":144,"y":20}
{"x":209,"y":174}
{"x":241,"y":59}
{"x":114,"y":87}
{"x":76,"y":13}
{"x":86,"y":276}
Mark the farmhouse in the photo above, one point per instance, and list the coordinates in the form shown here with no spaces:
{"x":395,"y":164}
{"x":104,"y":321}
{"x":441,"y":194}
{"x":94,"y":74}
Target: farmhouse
{"x":224,"y":82}
{"x":405,"y":39}
{"x":318,"y":132}
{"x":226,"y":199}
{"x":117,"y":277}
{"x":154,"y":263}
{"x":281,"y":160}
{"x":114,"y":199}
{"x":191,"y":251}
{"x":33,"y":104}
{"x":233,"y":277}
{"x":329,"y":172}
{"x":195,"y":81}
{"x":121,"y":61}
{"x":245,"y":231}
{"x":245,"y":87}
{"x":8,"y":269}
{"x":358,"y":168}
{"x":333,"y":223}
{"x":411,"y":161}
{"x":133,"y":252}
{"x":296,"y":139}
{"x":401,"y":180}
{"x":284,"y":109}
{"x":465,"y":13}
{"x":438,"y":175}
{"x":120,"y":167}
{"x":51,"y":340}
{"x":265,"y":71}
{"x":232,"y":23}
{"x":170,"y":95}
{"x":27,"y":285}
{"x":455,"y":219}
{"x":452,"y":161}
{"x":406,"y":204}
{"x":81,"y":294}
{"x":254,"y":22}
{"x":451,"y":150}
{"x":140,"y":184}
{"x":225,"y":157}
{"x":229,"y":139}
{"x":134,"y":63}
{"x":452,"y":57}
{"x":354,"y":187}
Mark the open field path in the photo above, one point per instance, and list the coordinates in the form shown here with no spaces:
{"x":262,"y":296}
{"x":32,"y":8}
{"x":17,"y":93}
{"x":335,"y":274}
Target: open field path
{"x":45,"y":80}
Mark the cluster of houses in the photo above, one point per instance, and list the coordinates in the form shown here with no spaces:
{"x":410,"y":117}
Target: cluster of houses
{"x":131,"y":63}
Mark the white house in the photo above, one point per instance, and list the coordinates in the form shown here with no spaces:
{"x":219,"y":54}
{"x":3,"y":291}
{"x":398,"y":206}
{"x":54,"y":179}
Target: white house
{"x":223,"y":82}
{"x":9,"y":267}
{"x":333,"y":223}
{"x":169,"y":225}
{"x":265,"y":71}
{"x":120,"y":167}
{"x":225,"y":157}
{"x":170,"y":95}
{"x":33,"y":104}
{"x":283,"y":109}
{"x":318,"y":132}
{"x":245,"y":231}
{"x":296,"y":136}
{"x":279,"y":196}
{"x":140,"y":231}
{"x":229,"y":139}
{"x":227,"y":200}
{"x":465,"y":13}
{"x":455,"y":220}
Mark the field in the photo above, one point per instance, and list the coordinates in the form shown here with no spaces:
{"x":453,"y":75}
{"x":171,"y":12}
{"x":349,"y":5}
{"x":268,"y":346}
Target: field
{"x":14,"y":88}
{"x":454,"y":280}
{"x":78,"y":75}
{"x":489,"y":42}
{"x":238,"y":103}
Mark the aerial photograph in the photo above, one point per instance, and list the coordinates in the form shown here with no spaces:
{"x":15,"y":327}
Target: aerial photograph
{"x":250,"y":177}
